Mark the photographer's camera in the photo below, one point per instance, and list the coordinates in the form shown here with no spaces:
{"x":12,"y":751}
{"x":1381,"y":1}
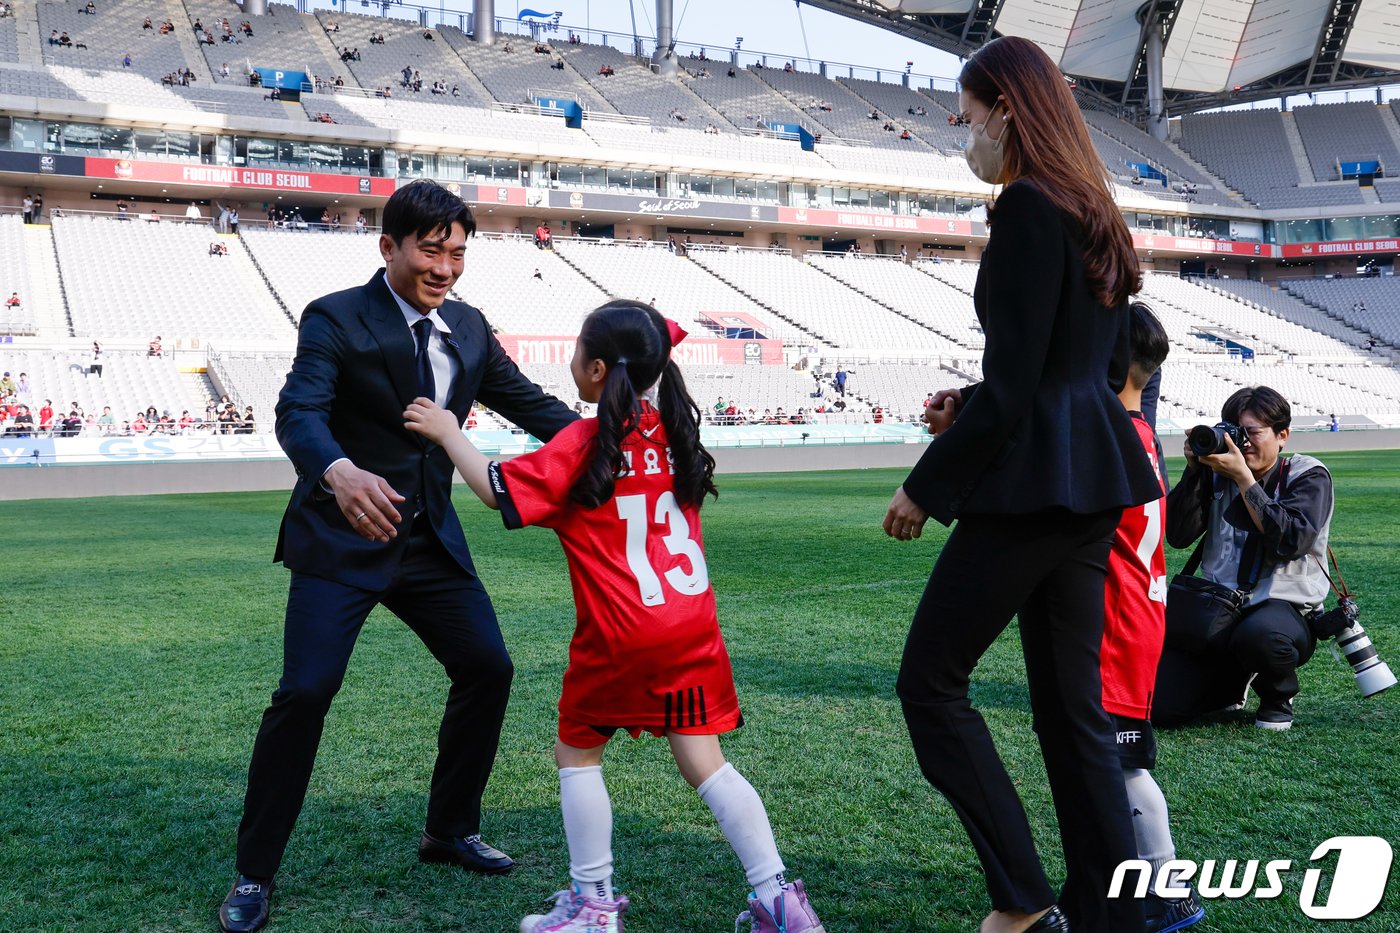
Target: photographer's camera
{"x":1206,"y":439}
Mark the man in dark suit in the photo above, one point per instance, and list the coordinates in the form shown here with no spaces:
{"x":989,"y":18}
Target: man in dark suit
{"x":371,"y":522}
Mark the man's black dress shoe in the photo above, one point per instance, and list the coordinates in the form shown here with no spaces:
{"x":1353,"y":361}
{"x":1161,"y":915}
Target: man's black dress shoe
{"x":467,"y":851}
{"x":245,"y":908}
{"x":1052,"y":921}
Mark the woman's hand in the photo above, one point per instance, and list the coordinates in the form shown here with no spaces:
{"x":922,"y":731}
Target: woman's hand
{"x":904,"y":519}
{"x":942,"y":410}
{"x":424,"y":417}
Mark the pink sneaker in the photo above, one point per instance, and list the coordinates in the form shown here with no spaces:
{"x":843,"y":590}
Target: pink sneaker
{"x":792,"y":914}
{"x":576,"y":913}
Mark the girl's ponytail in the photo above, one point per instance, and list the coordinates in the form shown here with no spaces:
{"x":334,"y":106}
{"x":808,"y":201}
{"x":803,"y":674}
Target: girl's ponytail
{"x":634,"y":340}
{"x":617,"y":417}
{"x":695,"y":468}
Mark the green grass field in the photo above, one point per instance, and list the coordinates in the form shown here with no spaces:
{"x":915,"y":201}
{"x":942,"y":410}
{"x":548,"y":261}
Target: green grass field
{"x":142,"y":638}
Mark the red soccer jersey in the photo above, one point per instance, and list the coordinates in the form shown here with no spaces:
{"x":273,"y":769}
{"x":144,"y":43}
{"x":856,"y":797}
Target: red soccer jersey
{"x":1135,"y":600}
{"x":647,"y":650}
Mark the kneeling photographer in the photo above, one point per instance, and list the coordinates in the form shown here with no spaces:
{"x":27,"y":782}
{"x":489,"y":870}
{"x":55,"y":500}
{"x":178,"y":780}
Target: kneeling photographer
{"x":1265,"y":525}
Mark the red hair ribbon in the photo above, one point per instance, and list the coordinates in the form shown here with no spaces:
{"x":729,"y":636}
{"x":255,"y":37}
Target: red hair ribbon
{"x":677,"y":332}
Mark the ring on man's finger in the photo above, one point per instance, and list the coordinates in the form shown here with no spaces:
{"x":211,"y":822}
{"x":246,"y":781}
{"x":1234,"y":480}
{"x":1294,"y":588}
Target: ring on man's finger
{"x":362,"y":516}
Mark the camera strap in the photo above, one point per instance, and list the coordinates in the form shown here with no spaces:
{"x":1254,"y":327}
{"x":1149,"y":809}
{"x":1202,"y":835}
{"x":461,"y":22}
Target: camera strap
{"x":1343,"y":592}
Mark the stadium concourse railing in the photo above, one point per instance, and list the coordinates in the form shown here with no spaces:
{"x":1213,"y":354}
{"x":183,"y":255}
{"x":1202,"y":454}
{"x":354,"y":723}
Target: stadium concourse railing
{"x":205,"y":445}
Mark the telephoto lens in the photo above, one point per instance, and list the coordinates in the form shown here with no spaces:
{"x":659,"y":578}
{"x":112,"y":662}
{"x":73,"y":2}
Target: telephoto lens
{"x":1372,"y":674}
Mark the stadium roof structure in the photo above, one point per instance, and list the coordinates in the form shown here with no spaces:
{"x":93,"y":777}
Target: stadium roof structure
{"x":1216,"y":52}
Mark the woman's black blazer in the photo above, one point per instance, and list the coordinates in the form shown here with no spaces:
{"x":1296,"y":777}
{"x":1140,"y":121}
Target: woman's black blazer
{"x":1044,"y":428}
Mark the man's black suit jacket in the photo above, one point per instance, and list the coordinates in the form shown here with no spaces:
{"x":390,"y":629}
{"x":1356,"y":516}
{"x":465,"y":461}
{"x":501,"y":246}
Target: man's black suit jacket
{"x":1044,"y":428}
{"x":352,"y":378}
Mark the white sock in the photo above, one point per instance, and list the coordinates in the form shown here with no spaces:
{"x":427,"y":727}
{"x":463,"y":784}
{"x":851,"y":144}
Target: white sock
{"x":1149,"y":809}
{"x":744,"y":822}
{"x":588,"y":826}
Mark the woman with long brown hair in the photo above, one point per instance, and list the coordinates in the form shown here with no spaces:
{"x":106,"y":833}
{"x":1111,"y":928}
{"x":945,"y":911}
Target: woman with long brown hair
{"x":1036,"y":463}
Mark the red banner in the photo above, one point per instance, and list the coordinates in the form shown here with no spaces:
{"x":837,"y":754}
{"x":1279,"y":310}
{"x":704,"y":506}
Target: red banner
{"x":227,"y":176}
{"x":1340,"y":248}
{"x":1197,"y":245}
{"x":695,"y":351}
{"x":513,"y":195}
{"x":861,"y":220}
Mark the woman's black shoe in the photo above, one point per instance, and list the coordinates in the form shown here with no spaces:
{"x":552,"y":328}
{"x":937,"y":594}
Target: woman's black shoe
{"x":1052,"y":921}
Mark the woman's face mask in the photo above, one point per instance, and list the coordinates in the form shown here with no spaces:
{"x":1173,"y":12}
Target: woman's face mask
{"x":983,"y":153}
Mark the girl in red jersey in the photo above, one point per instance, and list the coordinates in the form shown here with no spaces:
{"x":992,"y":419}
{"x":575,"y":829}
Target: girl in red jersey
{"x":623,"y":492}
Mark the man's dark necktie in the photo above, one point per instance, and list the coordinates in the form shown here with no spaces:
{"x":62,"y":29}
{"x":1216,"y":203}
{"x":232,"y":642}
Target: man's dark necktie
{"x":422,"y":333}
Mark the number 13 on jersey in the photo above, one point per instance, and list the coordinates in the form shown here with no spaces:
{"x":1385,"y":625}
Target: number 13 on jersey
{"x":634,"y":512}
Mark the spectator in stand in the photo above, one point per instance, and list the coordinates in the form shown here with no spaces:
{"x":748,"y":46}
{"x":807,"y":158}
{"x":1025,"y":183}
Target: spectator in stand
{"x":46,"y":416}
{"x":154,"y":348}
{"x":22,"y":387}
{"x":719,"y":409}
{"x":72,"y":424}
{"x":95,"y":363}
{"x":147,"y":24}
{"x":186,"y":423}
{"x":23,"y":425}
{"x":361,"y":225}
{"x":192,"y":214}
{"x":8,"y":386}
{"x":123,"y":210}
{"x":151,"y":415}
{"x":228,"y":419}
{"x":106,"y":424}
{"x":543,"y":238}
{"x":139,"y":428}
{"x":840,"y":381}
{"x":126,"y":60}
{"x":28,"y":212}
{"x":153,"y":217}
{"x":250,"y":424}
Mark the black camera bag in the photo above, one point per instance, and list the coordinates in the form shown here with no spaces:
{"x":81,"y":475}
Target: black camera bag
{"x":1201,"y":614}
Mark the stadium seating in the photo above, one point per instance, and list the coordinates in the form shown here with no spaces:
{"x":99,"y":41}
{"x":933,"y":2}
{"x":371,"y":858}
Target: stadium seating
{"x":500,"y":281}
{"x":139,"y":279}
{"x":1159,"y":154}
{"x":820,"y":304}
{"x":896,"y":100}
{"x":1230,"y":318}
{"x":130,"y":382}
{"x":14,"y":278}
{"x":680,"y":287}
{"x":101,"y":41}
{"x":1247,"y":148}
{"x":904,"y":289}
{"x":1349,"y":132}
{"x":282,"y":39}
{"x":9,"y":39}
{"x":1272,"y":300}
{"x":301,"y":265}
{"x":381,"y":65}
{"x":743,"y":100}
{"x":633,"y":89}
{"x":520,"y":75}
{"x":1379,"y":299}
